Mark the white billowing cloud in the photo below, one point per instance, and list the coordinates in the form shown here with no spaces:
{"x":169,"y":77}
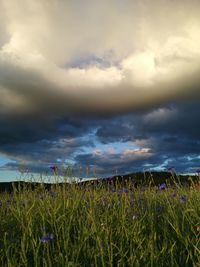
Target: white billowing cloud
{"x":135,"y":154}
{"x":126,"y":155}
{"x":62,"y":56}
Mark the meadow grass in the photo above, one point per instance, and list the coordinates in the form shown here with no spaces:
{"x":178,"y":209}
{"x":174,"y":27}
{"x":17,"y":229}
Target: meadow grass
{"x":102,"y":225}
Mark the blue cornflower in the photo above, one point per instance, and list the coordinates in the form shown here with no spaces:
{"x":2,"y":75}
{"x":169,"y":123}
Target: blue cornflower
{"x":52,"y":194}
{"x":47,"y":239}
{"x":173,"y":195}
{"x":54,"y":168}
{"x":125,"y":190}
{"x":162,"y":186}
{"x":183,"y":198}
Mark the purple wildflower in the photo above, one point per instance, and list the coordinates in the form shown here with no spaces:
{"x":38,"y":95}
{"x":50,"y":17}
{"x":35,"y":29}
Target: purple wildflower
{"x":173,"y":195}
{"x":183,"y":198}
{"x":162,"y":186}
{"x":54,"y":168}
{"x":47,"y":239}
{"x":52,"y":194}
{"x":113,"y":190}
{"x":125,"y":190}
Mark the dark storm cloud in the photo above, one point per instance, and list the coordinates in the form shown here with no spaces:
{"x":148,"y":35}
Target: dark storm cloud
{"x":177,"y":120}
{"x":110,"y":164}
{"x":165,"y":136}
{"x":40,"y":144}
{"x":171,"y":132}
{"x":30,"y":131}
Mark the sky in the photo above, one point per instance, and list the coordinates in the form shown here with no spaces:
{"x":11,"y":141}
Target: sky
{"x":108,"y":87}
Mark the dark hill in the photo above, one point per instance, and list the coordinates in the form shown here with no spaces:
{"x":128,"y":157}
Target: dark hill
{"x":136,"y":179}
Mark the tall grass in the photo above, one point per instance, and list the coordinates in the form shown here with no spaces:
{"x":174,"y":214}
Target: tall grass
{"x":72,"y":225}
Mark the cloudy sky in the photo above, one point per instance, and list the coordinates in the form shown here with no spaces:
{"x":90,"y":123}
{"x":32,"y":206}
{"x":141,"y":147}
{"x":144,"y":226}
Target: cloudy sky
{"x":110,"y":85}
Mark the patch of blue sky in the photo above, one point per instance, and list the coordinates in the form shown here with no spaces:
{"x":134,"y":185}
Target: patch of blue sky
{"x":8,"y":176}
{"x":161,"y":167}
{"x":4,"y":160}
{"x":116,"y":147}
{"x":5,"y":174}
{"x":106,"y":60}
{"x":191,"y":158}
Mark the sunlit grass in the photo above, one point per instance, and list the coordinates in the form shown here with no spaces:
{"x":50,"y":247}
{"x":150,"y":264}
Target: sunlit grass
{"x":73,"y":225}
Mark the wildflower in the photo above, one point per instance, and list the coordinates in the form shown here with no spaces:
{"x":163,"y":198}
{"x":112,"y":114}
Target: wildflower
{"x":54,"y":168}
{"x":80,"y":179}
{"x":171,"y":168}
{"x":113,"y":190}
{"x":125,"y":190}
{"x":162,"y":186}
{"x":183,"y":198}
{"x":173,"y":195}
{"x":52,"y":194}
{"x":47,"y":239}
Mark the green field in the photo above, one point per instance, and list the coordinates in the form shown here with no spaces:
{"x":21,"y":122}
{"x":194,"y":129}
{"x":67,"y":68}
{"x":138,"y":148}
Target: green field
{"x":102,"y":225}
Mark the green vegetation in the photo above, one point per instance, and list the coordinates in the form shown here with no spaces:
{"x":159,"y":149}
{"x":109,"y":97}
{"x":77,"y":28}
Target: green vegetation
{"x":101,"y":225}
